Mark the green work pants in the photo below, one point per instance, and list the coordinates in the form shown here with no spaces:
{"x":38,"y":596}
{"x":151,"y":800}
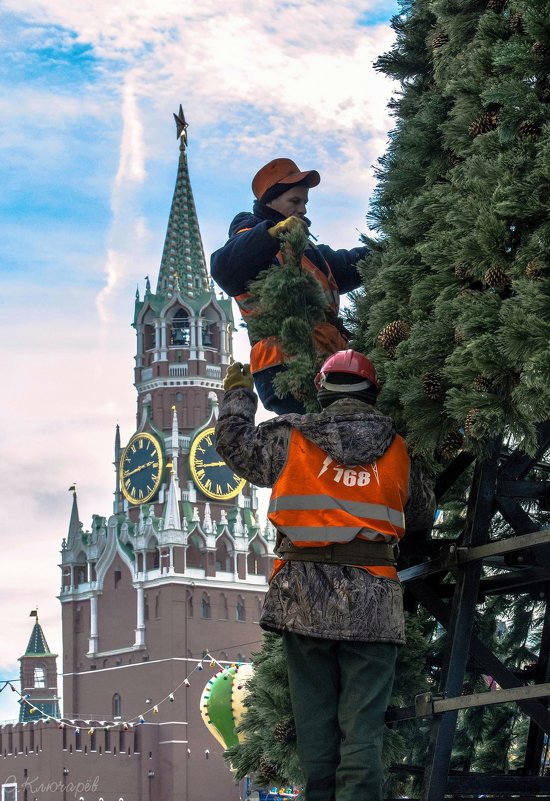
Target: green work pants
{"x":339,"y":692}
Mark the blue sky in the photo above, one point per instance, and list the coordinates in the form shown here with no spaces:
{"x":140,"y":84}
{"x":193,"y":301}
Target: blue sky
{"x":87,"y":168}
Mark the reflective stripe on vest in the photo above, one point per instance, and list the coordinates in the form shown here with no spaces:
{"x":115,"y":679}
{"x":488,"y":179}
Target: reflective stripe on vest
{"x":318,"y":500}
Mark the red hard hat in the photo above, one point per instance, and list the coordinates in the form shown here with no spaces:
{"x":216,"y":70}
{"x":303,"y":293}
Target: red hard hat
{"x":348,"y":361}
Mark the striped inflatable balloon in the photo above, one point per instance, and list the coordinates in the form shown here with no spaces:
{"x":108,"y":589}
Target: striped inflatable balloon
{"x":222,"y":703}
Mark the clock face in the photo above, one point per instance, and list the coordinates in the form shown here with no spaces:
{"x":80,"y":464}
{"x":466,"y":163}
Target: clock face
{"x":140,"y":469}
{"x":210,"y":473}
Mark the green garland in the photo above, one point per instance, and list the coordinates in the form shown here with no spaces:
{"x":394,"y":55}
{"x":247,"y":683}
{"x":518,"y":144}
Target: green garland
{"x":290,"y":304}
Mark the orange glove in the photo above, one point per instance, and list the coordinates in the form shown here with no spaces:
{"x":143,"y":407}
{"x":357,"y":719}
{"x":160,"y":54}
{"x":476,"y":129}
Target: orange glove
{"x":238,"y":375}
{"x":285,"y":226}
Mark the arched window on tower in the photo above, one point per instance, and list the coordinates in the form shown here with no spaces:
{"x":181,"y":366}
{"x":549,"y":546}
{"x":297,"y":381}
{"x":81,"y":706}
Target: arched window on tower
{"x":240,"y":610}
{"x":152,"y":559}
{"x":39,"y":676}
{"x":224,"y":612}
{"x":207,"y":334}
{"x":211,"y":323}
{"x":148,"y":337}
{"x":80,"y":571}
{"x":206,"y":613}
{"x":180,"y":331}
{"x":254,"y":563}
{"x":117,"y":705}
{"x":223,"y":558}
{"x":195,"y":557}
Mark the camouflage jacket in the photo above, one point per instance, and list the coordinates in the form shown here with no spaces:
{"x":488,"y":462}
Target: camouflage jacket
{"x":337,"y":602}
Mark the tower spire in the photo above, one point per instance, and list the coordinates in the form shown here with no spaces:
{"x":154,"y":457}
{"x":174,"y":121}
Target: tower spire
{"x":183,"y":265}
{"x":75,"y":526}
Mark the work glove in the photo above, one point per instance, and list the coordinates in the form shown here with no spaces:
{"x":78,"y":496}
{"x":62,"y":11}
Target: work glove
{"x":238,"y":375}
{"x":286,"y":226}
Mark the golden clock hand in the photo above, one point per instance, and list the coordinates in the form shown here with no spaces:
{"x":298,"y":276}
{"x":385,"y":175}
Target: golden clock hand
{"x":137,"y":469}
{"x":213,"y":464}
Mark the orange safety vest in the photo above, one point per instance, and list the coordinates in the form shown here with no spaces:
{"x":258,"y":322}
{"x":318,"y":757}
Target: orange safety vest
{"x":327,"y":338}
{"x":316,"y":501}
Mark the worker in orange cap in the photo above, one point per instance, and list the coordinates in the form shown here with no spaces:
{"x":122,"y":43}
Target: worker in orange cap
{"x":281,"y":190}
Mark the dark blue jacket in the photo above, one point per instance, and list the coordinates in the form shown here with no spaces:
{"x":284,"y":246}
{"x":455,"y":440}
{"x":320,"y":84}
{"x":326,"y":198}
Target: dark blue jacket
{"x":246,"y":254}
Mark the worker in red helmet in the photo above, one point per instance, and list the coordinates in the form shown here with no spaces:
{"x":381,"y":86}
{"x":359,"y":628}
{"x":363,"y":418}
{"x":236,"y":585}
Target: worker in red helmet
{"x":344,"y":492}
{"x":281,"y":192}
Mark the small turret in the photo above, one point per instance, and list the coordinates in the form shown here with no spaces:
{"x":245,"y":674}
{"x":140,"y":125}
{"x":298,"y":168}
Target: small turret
{"x":38,"y":678}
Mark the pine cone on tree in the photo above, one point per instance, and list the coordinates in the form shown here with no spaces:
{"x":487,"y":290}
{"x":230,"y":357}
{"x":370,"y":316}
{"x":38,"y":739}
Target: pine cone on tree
{"x":541,"y":49}
{"x":516,"y":23}
{"x":482,"y":383}
{"x":392,"y":334}
{"x":462,"y":271}
{"x":488,"y":121}
{"x":440,"y":40}
{"x":497,"y":5}
{"x":458,"y":336}
{"x":470,"y":424}
{"x":529,"y":129}
{"x":455,"y":158}
{"x":496,"y":278}
{"x":534,"y":269}
{"x":267,"y":770}
{"x":285,"y":731}
{"x":450,"y":445}
{"x":432,"y":386}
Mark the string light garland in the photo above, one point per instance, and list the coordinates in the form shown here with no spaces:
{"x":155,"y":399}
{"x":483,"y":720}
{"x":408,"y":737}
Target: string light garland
{"x":131,"y":722}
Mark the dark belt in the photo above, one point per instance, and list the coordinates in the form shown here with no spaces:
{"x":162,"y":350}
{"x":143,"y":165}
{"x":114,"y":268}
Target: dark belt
{"x":355,"y":552}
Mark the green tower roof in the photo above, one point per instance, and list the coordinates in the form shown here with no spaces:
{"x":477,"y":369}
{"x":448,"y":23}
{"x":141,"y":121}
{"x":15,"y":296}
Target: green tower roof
{"x":37,"y":644}
{"x":183,"y":265}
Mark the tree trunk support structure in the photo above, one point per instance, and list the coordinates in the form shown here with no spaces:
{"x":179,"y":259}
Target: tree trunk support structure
{"x":447,"y":578}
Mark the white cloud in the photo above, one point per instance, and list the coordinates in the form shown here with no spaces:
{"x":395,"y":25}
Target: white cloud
{"x":257,"y":81}
{"x":131,"y":166}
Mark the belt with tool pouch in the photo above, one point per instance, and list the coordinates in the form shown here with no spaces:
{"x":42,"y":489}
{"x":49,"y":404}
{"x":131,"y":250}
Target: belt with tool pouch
{"x":355,"y":552}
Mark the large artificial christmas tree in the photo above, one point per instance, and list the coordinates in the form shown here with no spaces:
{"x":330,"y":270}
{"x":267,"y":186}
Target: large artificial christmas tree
{"x":456,"y":310}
